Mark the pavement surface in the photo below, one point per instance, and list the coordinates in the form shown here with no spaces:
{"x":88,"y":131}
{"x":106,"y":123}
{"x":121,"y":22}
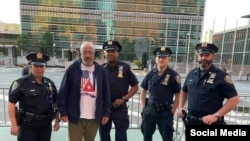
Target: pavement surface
{"x":8,"y":75}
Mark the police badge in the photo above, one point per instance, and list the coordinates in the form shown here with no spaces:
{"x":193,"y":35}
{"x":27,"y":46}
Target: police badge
{"x":110,"y":43}
{"x":50,"y":87}
{"x":120,"y":73}
{"x":39,"y":55}
{"x":165,"y":81}
{"x":211,"y":78}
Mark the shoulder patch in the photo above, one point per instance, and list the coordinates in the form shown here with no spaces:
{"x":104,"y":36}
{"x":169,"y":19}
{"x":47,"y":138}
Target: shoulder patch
{"x":178,"y":78}
{"x":228,"y":79}
{"x":15,"y":86}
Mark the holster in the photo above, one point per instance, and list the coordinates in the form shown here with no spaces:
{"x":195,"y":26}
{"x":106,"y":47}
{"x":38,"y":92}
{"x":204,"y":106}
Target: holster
{"x":19,"y":114}
{"x":220,"y":121}
{"x":192,"y":120}
{"x":53,"y":113}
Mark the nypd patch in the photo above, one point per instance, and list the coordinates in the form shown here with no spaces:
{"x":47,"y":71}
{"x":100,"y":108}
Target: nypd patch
{"x":15,"y":86}
{"x":228,"y":79}
{"x":178,"y":79}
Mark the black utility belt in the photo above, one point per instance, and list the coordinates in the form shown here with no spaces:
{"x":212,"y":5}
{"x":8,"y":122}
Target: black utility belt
{"x":193,"y":120}
{"x":32,"y":117}
{"x":160,"y":107}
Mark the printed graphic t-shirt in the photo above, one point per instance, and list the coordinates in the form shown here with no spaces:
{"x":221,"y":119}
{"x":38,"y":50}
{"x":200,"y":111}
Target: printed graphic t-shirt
{"x":88,"y":92}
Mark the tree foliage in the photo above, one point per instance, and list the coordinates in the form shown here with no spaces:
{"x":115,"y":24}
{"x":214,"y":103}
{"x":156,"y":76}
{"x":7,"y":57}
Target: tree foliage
{"x":46,"y":44}
{"x":22,"y":42}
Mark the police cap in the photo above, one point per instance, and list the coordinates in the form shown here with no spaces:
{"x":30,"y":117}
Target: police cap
{"x":37,"y":58}
{"x":206,"y":48}
{"x":112,"y":45}
{"x":162,"y":51}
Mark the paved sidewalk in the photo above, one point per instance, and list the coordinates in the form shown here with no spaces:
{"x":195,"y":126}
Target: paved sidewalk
{"x":61,"y":135}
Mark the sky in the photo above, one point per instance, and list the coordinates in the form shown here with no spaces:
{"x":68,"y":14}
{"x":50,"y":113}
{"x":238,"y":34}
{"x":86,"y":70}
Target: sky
{"x":216,"y":12}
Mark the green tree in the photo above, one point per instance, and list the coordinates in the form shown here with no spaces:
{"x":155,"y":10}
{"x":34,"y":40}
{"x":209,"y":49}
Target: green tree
{"x":46,"y":44}
{"x":23,"y":43}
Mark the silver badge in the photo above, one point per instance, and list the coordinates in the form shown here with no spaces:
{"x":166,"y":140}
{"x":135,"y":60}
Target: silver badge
{"x":211,"y":78}
{"x":204,"y":44}
{"x":166,"y":79}
{"x":120,"y":72}
{"x":50,"y":87}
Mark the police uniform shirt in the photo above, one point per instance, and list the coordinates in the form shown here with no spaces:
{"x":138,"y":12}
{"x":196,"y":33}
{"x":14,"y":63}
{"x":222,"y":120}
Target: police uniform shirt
{"x":33,"y":97}
{"x":207,"y":91}
{"x":162,"y":88}
{"x":120,"y":78}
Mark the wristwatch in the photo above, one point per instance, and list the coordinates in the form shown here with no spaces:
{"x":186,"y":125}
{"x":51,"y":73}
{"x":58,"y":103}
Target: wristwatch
{"x":217,"y":115}
{"x":124,"y":98}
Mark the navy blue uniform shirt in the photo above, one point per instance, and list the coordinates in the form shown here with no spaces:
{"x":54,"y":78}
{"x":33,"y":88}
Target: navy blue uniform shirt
{"x":120,"y":78}
{"x":207,"y":90}
{"x":162,"y":88}
{"x":33,"y":97}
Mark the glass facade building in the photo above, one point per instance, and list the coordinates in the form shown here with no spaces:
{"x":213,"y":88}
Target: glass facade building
{"x":234,"y":49}
{"x":236,"y":45}
{"x":136,"y":24}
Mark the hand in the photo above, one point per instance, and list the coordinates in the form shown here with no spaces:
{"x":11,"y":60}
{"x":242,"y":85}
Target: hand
{"x":64,"y":118}
{"x":14,"y":130}
{"x":209,"y":119}
{"x":118,"y":102}
{"x":104,"y":120}
{"x":56,"y":126}
{"x":180,"y":113}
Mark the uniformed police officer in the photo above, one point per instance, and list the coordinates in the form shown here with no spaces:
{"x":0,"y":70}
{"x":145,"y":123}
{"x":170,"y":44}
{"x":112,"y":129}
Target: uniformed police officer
{"x":121,"y":78}
{"x":26,"y":68}
{"x":163,"y":85}
{"x":205,"y":88}
{"x":35,"y":95}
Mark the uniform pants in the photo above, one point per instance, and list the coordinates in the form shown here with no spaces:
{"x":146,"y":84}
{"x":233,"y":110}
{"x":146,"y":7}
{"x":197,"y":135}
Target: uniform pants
{"x":121,"y":123}
{"x":84,"y":130}
{"x":35,"y":131}
{"x":163,"y":120}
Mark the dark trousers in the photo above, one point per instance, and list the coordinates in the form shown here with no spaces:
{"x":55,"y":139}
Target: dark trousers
{"x":164,"y":121}
{"x":121,"y":123}
{"x":35,"y":131}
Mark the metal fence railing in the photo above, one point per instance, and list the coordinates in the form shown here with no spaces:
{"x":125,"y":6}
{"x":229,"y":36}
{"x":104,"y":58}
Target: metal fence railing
{"x":239,"y":116}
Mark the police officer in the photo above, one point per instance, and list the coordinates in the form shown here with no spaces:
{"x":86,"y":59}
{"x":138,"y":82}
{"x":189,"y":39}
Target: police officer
{"x":120,"y":78}
{"x":205,"y":88}
{"x":163,"y":85}
{"x":26,"y":68}
{"x":35,"y":95}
